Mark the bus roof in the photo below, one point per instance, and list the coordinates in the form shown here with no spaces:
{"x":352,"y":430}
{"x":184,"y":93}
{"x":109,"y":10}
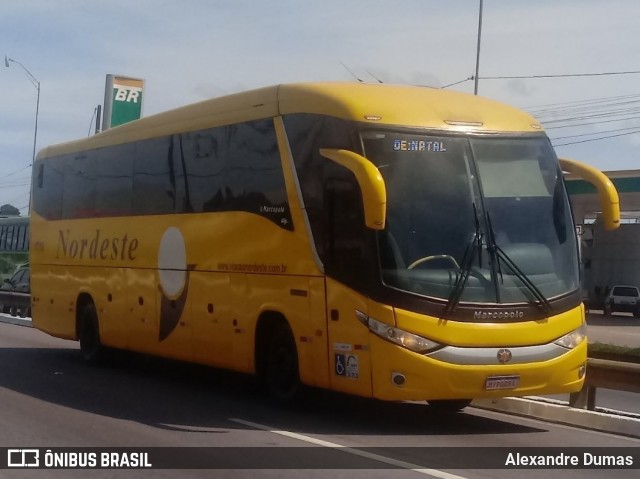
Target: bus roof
{"x":378,"y":104}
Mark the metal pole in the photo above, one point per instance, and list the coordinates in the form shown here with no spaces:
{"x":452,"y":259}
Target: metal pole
{"x":475,"y":88}
{"x":36,"y":84}
{"x":35,"y":133}
{"x":98,"y":118}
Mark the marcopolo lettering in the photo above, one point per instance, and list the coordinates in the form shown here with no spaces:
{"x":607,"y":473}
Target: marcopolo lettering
{"x":96,"y":246}
{"x":502,"y":314}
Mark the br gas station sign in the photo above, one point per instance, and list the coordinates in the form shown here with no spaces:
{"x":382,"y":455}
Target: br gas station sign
{"x":122,"y":100}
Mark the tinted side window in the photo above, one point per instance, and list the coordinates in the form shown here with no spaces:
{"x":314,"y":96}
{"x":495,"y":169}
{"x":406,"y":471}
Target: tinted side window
{"x":254,"y":180}
{"x":47,"y":191}
{"x":154,"y":178}
{"x":235,"y":168}
{"x":79,"y":192}
{"x":114,"y":180}
{"x":230,"y":168}
{"x":203,"y":156}
{"x":332,"y":197}
{"x":307,"y":134}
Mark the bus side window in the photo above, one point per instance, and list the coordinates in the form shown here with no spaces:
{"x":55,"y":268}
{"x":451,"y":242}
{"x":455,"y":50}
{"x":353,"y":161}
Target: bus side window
{"x":40,"y":175}
{"x":307,"y":134}
{"x":47,"y":201}
{"x":345,"y":232}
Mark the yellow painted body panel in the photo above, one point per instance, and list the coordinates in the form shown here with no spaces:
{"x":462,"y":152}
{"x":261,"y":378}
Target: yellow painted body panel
{"x":222,"y":280}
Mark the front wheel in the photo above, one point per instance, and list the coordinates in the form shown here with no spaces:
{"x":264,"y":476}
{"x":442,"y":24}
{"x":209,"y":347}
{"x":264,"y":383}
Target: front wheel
{"x":448,"y":406}
{"x":90,"y":346}
{"x":281,"y":375}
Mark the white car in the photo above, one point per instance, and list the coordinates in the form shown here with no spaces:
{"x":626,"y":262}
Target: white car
{"x":623,"y":299}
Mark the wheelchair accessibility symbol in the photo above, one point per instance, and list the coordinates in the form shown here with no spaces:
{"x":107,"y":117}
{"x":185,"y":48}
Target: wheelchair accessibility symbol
{"x":347,"y":365}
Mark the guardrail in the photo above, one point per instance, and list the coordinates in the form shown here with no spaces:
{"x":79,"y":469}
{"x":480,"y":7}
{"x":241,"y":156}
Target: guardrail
{"x":604,"y":373}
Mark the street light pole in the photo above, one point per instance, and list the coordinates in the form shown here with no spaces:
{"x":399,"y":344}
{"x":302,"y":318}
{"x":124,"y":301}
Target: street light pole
{"x":475,"y":88}
{"x":36,"y":84}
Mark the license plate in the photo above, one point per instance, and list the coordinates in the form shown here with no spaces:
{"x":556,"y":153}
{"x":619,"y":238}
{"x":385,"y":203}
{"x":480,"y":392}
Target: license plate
{"x":501,"y":382}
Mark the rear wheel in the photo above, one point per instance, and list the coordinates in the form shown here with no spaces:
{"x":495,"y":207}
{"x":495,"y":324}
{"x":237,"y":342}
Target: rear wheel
{"x":90,"y":346}
{"x":448,"y":406}
{"x":280,"y":373}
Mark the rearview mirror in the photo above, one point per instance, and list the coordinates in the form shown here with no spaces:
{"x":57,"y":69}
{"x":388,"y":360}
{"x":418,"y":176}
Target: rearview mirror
{"x":607,"y":193}
{"x":374,"y":193}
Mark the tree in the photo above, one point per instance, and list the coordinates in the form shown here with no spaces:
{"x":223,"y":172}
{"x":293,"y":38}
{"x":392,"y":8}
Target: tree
{"x":9,"y":210}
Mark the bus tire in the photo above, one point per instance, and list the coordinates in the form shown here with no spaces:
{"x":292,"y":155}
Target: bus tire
{"x":448,"y":406}
{"x":280,"y":374}
{"x":89,"y":334}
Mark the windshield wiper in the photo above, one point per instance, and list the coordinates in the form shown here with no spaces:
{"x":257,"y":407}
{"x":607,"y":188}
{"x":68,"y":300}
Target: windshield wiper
{"x":475,"y":244}
{"x":499,"y":254}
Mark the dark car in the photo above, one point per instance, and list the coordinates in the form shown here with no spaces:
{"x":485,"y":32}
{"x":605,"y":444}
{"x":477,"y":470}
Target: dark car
{"x":15,"y":294}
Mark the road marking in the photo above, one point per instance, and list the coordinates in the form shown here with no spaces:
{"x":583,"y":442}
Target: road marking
{"x":350,"y":450}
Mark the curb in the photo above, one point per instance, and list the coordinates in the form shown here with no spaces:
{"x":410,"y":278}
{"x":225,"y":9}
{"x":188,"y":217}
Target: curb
{"x":16,"y":320}
{"x":615,"y":422}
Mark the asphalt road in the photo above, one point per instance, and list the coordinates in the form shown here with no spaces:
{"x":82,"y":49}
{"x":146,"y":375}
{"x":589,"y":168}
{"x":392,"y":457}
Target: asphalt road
{"x":620,"y":329}
{"x":50,"y":398}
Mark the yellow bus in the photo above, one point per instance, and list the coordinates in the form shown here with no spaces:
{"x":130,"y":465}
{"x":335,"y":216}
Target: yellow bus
{"x":395,"y":242}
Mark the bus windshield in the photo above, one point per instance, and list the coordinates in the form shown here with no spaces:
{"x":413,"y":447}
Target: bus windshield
{"x":481,"y":219}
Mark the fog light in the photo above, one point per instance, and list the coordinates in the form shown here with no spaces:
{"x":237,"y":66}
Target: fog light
{"x":398,"y":379}
{"x":582,"y":370}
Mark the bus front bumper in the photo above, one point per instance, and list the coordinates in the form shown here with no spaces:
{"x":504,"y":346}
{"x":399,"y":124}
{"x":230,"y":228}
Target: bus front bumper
{"x":404,"y":375}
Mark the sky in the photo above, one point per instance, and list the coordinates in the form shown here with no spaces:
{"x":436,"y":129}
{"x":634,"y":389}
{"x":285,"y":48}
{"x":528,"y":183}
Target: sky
{"x":565,"y":61}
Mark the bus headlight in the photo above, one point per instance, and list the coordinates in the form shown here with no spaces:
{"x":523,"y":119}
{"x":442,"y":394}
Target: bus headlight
{"x":574,"y":338}
{"x":407,"y":340}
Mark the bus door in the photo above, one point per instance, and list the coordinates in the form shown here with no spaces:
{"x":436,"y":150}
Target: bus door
{"x":346,"y":263}
{"x":349,"y":354}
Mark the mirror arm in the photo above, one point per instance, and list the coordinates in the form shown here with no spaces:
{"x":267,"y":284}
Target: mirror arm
{"x":374,"y":193}
{"x":607,"y":193}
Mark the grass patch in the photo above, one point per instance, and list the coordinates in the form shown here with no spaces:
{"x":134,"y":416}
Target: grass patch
{"x":613,"y":352}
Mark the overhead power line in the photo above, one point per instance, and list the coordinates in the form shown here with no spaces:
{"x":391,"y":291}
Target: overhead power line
{"x":573,"y":125}
{"x":596,"y":139}
{"x":635,"y":128}
{"x":15,"y":172}
{"x":563,"y":75}
{"x":569,"y":105}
